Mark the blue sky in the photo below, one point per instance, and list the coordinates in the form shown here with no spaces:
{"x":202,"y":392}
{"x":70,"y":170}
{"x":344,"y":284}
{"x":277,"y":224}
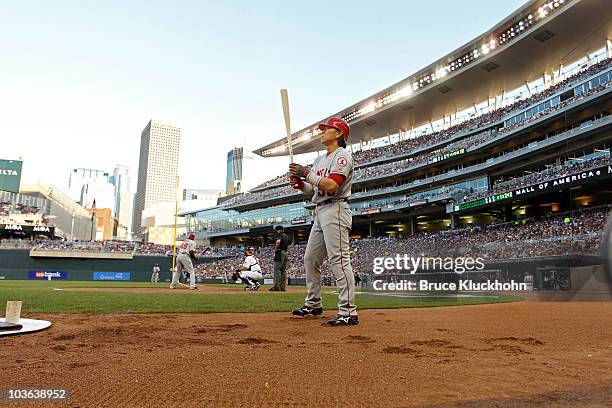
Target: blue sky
{"x":80,"y":80}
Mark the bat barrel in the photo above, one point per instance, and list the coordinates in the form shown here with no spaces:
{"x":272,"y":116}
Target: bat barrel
{"x":285,"y":102}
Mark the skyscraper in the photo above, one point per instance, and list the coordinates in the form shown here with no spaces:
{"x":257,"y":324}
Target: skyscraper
{"x":243,"y":166}
{"x":158,"y":168}
{"x":234,"y":170}
{"x":123,"y":200}
{"x":80,"y":177}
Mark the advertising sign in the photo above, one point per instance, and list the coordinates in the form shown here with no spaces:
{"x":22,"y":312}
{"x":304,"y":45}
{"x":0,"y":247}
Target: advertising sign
{"x":47,"y":275}
{"x":10,"y":175}
{"x":112,"y":276}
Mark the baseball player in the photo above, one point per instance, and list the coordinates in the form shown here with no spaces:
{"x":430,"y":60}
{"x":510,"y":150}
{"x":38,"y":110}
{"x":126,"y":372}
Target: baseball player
{"x":329,"y":182}
{"x":184,"y":261}
{"x":155,"y":273}
{"x":250,"y":271}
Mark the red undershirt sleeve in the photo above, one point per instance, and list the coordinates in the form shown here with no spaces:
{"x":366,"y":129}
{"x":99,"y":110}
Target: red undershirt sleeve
{"x":338,"y":178}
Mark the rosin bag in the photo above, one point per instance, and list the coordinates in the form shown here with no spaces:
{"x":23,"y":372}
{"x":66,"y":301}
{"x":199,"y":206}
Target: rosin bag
{"x":13,"y":311}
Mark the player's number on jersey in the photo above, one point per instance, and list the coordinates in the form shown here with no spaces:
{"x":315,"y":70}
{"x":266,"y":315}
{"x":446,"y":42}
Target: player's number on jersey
{"x":184,"y":245}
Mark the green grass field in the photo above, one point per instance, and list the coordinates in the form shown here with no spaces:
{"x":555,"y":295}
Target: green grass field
{"x":45,"y":297}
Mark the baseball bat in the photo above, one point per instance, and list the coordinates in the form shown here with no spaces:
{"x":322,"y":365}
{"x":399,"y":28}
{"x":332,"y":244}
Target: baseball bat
{"x":285,"y":101}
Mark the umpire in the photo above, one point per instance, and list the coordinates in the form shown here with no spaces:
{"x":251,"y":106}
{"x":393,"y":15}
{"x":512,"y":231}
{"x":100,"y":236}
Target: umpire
{"x":280,"y":259}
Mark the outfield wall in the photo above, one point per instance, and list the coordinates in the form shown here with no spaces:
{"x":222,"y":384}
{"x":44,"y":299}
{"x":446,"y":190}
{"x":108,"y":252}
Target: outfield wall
{"x":17,"y":264}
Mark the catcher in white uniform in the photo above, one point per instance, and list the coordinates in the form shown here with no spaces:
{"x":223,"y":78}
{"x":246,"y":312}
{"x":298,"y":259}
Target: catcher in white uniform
{"x":250,"y":271}
{"x":329,"y":183}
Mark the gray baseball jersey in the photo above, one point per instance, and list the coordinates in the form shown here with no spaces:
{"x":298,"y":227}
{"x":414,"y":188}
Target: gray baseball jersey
{"x":187,"y":246}
{"x":339,"y":161}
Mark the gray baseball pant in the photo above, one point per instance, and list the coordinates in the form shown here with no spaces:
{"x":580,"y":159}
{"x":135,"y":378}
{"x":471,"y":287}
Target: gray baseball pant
{"x":329,"y":237}
{"x":183,"y":261}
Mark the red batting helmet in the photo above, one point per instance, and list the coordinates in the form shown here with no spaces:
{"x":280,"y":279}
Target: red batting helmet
{"x":191,"y":235}
{"x":337,"y":123}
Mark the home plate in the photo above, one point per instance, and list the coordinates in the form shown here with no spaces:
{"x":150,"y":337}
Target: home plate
{"x":27,"y":326}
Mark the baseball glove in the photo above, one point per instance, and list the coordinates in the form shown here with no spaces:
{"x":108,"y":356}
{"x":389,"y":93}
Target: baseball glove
{"x":236,"y":275}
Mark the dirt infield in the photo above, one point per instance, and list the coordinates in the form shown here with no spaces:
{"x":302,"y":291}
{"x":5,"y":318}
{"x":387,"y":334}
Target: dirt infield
{"x":515,"y":354}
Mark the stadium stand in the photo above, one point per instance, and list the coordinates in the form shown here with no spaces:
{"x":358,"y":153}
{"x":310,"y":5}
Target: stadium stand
{"x":17,"y":213}
{"x":575,"y":232}
{"x":365,"y":159}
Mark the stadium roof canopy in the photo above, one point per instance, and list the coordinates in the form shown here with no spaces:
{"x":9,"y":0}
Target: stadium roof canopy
{"x":539,"y":37}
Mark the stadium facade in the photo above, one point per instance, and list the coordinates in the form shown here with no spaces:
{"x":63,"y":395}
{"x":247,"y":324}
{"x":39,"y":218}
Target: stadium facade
{"x":42,"y":211}
{"x":515,"y":124}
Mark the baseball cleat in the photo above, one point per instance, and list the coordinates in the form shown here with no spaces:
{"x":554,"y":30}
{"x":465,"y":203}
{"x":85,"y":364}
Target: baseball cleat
{"x":344,"y":321}
{"x":307,"y":311}
{"x":194,"y":288}
{"x":257,"y":285}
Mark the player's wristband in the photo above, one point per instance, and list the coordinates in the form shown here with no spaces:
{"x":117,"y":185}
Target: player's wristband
{"x":313,"y":179}
{"x":307,"y":189}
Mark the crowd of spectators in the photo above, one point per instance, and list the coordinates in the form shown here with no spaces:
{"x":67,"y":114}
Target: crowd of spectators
{"x":7,"y":208}
{"x":566,"y":169}
{"x":136,"y":248}
{"x":152,"y":249}
{"x":11,"y":213}
{"x":396,"y":166}
{"x":418,"y":197}
{"x":404,"y":164}
{"x":223,"y":268}
{"x":401,"y":165}
{"x":408,"y":145}
{"x":559,"y":234}
{"x":577,"y":232}
{"x":282,"y":179}
{"x":252,"y":197}
{"x":110,"y":246}
{"x":82,"y":246}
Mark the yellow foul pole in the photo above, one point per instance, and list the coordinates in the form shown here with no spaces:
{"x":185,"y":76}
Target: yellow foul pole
{"x":176,"y":204}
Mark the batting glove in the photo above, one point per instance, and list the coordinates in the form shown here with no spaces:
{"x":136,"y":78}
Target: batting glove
{"x":296,"y":182}
{"x":298,"y":170}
